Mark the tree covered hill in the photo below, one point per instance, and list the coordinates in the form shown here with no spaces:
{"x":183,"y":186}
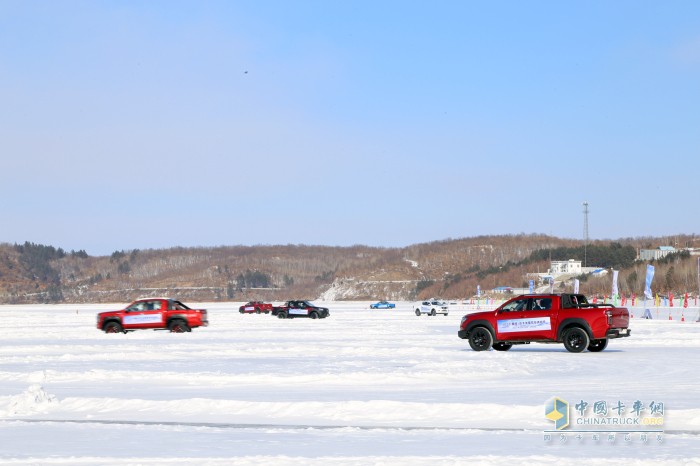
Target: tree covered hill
{"x":450,"y":269}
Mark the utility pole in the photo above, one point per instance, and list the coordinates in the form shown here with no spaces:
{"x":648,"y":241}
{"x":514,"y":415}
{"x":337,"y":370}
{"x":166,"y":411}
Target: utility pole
{"x":585,"y":232}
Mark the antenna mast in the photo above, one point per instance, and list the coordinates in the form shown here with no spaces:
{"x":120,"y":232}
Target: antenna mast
{"x":585,"y":232}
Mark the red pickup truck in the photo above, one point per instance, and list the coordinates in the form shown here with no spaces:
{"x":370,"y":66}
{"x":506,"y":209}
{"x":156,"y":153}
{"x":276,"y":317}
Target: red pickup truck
{"x":546,"y":318}
{"x":255,"y":307}
{"x":153,"y":313}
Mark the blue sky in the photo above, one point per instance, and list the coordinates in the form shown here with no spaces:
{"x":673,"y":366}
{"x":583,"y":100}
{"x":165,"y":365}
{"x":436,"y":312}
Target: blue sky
{"x":155,"y":124}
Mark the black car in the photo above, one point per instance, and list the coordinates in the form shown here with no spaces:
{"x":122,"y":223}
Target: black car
{"x":300,"y":308}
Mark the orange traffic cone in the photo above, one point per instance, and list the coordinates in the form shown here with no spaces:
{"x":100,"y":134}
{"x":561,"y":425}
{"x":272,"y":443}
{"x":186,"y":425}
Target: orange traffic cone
{"x":669,"y":316}
{"x":682,"y":317}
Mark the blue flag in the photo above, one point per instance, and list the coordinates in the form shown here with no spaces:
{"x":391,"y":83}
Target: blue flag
{"x":647,"y":287}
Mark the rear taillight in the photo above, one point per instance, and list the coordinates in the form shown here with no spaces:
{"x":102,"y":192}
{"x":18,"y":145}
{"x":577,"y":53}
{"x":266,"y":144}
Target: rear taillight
{"x":609,"y":314}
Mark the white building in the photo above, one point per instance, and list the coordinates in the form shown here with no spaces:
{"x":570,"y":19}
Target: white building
{"x":565,"y":267}
{"x":655,"y":254}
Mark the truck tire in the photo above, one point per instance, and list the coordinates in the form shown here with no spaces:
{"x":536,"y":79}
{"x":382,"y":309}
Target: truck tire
{"x":480,"y":339}
{"x":418,"y":312}
{"x":257,"y":310}
{"x":313,"y":315}
{"x":576,"y":340}
{"x":178,"y":326}
{"x":113,"y":327}
{"x":598,"y":345}
{"x":502,"y":346}
{"x":281,"y":315}
{"x":432,"y":313}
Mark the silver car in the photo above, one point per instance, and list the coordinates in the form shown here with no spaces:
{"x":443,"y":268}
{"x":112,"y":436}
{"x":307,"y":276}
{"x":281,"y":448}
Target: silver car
{"x":431,"y":308}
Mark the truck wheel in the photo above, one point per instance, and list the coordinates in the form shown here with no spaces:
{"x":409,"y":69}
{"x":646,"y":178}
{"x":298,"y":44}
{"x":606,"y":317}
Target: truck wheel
{"x":432,"y":313}
{"x":576,"y":340}
{"x":418,"y":312}
{"x":480,"y":339}
{"x":502,"y":346}
{"x":257,"y":310}
{"x":281,"y":315}
{"x":113,"y":327}
{"x":313,"y":315}
{"x":178,"y":326}
{"x":598,"y":345}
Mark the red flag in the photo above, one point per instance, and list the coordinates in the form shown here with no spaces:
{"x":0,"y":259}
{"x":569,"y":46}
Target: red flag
{"x":670,"y":298}
{"x":685,"y":301}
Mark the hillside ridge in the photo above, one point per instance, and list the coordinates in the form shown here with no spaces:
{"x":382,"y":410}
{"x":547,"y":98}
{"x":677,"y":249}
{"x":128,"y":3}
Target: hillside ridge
{"x":450,"y":269}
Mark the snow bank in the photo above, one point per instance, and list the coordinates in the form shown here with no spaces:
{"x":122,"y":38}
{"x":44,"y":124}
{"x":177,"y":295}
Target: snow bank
{"x":34,"y":400}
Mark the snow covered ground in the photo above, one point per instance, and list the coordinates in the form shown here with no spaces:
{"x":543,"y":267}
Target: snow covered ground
{"x":361,"y":387}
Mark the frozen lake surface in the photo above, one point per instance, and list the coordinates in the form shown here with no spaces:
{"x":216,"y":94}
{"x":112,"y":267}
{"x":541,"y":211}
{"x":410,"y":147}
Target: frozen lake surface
{"x":360,"y":387}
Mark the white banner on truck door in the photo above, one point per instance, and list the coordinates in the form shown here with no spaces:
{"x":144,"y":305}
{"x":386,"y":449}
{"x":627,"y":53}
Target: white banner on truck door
{"x":302,"y":312}
{"x":524,"y":325}
{"x":143,"y":319}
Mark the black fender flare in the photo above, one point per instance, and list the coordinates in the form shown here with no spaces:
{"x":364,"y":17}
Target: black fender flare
{"x":177,"y":317}
{"x":107,"y":320}
{"x":573,"y":322}
{"x":482,"y":323}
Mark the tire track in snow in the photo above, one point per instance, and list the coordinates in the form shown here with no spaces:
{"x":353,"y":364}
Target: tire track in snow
{"x":240,"y":426}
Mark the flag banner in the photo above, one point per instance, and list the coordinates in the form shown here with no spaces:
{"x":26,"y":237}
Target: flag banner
{"x":575,"y":285}
{"x":647,"y":287}
{"x":614,"y":283}
{"x":532,"y":286}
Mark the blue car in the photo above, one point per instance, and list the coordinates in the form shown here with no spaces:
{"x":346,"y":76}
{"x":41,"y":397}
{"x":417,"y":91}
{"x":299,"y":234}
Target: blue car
{"x":382,"y":305}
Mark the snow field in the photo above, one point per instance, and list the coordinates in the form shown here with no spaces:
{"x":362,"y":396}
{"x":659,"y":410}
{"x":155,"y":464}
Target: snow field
{"x":360,"y":387}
